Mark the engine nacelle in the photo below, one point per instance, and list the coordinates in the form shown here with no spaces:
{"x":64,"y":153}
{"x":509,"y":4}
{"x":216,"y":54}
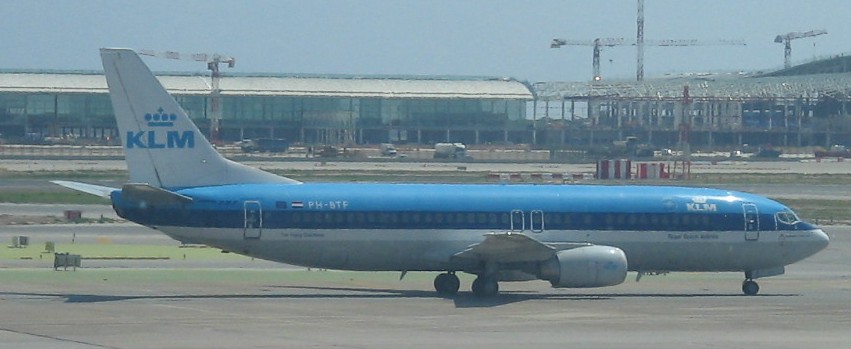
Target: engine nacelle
{"x":589,"y":266}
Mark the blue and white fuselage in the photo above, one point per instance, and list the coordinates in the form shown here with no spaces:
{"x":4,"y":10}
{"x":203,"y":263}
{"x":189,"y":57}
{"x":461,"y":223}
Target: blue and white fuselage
{"x":571,"y":236}
{"x":410,"y":227}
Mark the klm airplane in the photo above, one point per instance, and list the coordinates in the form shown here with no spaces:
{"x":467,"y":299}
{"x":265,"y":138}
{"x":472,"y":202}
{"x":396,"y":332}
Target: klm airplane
{"x":574,"y":236}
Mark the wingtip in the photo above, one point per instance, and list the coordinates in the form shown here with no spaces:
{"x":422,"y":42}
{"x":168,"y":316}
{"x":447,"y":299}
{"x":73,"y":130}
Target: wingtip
{"x":98,"y":190}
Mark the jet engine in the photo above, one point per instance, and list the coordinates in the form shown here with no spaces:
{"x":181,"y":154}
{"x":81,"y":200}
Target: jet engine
{"x":589,"y":266}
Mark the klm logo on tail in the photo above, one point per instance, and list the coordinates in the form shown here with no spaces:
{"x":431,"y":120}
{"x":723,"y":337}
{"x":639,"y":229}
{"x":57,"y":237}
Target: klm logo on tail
{"x":160,"y":139}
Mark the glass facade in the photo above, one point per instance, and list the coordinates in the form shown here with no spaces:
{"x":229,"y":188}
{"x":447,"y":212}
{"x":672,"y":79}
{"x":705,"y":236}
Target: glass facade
{"x":299,"y":119}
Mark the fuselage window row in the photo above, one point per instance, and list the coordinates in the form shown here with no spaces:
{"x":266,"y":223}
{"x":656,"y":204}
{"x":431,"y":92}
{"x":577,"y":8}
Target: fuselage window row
{"x":505,"y":221}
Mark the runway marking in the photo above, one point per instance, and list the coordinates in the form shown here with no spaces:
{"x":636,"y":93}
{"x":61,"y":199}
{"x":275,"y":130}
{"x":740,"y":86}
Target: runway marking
{"x":58,"y":338}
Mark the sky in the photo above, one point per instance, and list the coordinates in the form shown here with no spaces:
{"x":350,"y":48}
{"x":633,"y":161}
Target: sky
{"x":497,"y":38}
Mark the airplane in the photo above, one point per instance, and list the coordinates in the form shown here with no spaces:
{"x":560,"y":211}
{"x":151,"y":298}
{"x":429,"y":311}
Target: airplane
{"x":573,"y":236}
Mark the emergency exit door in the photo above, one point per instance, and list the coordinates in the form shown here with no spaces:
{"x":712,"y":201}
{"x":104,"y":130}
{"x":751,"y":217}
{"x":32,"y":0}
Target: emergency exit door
{"x":253,"y":215}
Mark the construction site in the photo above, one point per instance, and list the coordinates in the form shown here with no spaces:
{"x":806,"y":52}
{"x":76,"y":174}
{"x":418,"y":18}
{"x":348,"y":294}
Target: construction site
{"x":803,"y":105}
{"x":799,"y":106}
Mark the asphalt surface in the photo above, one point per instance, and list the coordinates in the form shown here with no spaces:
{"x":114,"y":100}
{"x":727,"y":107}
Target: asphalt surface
{"x":805,"y":166}
{"x":810,"y":306}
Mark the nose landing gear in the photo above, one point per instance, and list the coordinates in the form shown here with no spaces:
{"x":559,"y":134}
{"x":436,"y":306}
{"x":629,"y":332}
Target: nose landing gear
{"x":750,"y":287}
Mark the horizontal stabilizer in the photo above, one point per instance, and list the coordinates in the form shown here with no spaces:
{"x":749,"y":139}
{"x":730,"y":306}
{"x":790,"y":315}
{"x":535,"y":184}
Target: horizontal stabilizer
{"x":152,"y":195}
{"x":512,"y":247}
{"x":98,"y":190}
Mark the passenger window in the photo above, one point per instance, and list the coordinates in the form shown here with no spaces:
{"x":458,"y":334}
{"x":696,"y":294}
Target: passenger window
{"x":481,"y":218}
{"x":610,"y":219}
{"x":505,"y":219}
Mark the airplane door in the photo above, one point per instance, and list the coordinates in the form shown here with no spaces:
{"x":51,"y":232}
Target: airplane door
{"x":518,"y":220}
{"x":751,"y":222}
{"x":536,"y":221}
{"x":253,"y":220}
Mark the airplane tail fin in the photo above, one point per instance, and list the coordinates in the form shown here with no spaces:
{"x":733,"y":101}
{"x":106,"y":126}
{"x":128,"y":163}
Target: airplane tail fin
{"x":162,"y":146}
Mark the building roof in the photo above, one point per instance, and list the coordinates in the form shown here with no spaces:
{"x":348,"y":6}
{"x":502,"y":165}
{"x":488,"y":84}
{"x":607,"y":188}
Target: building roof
{"x":709,"y":87}
{"x":293,"y":86}
{"x":822,"y":77}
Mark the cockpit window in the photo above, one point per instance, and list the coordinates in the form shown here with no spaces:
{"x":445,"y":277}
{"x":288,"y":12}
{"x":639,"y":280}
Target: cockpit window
{"x":787,"y":217}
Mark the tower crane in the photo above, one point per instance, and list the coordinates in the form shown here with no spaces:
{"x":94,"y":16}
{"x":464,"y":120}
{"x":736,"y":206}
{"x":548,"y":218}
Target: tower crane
{"x":213,"y":61}
{"x":600,"y":42}
{"x":597,"y":43}
{"x":787,"y":38}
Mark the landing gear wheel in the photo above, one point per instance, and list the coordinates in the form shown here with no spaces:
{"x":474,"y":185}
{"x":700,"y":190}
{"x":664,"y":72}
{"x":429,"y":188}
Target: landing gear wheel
{"x":750,"y":288}
{"x":484,"y":287}
{"x":447,"y":284}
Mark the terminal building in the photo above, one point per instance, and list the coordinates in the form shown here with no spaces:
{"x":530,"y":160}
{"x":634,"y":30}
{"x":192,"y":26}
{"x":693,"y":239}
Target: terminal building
{"x":307,"y":109}
{"x":805,"y":105}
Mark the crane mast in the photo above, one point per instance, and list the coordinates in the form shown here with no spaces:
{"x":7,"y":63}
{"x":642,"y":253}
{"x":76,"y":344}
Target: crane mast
{"x":787,"y":38}
{"x":213,"y":61}
{"x":639,"y":43}
{"x":599,"y":43}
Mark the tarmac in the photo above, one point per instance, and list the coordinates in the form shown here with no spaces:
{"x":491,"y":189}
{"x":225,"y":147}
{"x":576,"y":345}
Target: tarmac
{"x":803,"y":166}
{"x":810,"y":306}
{"x":138,"y":304}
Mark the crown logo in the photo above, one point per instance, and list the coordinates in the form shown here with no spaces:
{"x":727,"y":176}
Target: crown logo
{"x":699,"y":199}
{"x":160,"y":119}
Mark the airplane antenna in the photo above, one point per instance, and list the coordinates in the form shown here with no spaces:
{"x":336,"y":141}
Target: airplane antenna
{"x":213,"y":61}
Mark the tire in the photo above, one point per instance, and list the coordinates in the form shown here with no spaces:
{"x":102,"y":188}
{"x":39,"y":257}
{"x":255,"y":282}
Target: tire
{"x":485,"y":287}
{"x":446,"y":284}
{"x":750,"y":288}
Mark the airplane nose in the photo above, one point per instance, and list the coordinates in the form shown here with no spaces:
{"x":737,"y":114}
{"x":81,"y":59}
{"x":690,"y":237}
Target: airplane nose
{"x":821,"y":238}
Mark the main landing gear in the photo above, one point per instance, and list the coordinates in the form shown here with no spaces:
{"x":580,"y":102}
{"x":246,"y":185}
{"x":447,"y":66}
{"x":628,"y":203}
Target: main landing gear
{"x":485,"y":286}
{"x":447,"y":284}
{"x":750,"y":287}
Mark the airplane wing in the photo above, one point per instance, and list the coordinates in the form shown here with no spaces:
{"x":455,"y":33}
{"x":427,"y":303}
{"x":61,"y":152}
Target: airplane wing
{"x":513,"y":247}
{"x":98,"y":190}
